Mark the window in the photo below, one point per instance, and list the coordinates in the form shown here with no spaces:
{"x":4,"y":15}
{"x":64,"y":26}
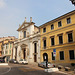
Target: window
{"x":53,"y":57}
{"x":52,"y":27}
{"x":52,"y":41}
{"x":44,"y":30}
{"x":70,"y":37}
{"x":59,"y":24}
{"x":71,"y":54}
{"x":68,"y":20}
{"x":61,"y":55}
{"x":6,"y":52}
{"x":6,"y":46}
{"x":24,"y":34}
{"x":44,"y":41}
{"x":35,"y":47}
{"x":60,"y":39}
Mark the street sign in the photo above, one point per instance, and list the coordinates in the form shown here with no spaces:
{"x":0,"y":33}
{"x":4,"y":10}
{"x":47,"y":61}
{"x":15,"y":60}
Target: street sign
{"x":54,"y":52}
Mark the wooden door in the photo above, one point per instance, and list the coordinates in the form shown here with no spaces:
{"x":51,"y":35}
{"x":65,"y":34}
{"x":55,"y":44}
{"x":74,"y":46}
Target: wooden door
{"x":35,"y":58}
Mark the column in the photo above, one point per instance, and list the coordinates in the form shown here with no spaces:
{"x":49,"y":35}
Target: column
{"x":14,"y":53}
{"x":26,"y":54}
{"x":18,"y":53}
{"x":65,"y":38}
{"x":30,"y":52}
{"x":38,"y":50}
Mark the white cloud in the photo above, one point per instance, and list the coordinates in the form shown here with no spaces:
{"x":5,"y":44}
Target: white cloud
{"x":2,"y":4}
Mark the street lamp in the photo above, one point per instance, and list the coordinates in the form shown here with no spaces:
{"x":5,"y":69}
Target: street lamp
{"x":73,"y":2}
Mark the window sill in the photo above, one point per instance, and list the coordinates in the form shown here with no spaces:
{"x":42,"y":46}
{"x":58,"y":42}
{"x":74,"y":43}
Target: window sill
{"x":52,"y":29}
{"x":44,"y":32}
{"x":60,"y":26}
{"x":52,"y":45}
{"x":70,"y":42}
{"x":72,"y":59}
{"x":62,"y":60}
{"x":53,"y":60}
{"x":68,"y":23}
{"x":61,"y":44}
{"x":44,"y":48}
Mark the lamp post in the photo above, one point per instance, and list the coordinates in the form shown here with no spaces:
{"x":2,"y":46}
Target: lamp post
{"x":73,"y":2}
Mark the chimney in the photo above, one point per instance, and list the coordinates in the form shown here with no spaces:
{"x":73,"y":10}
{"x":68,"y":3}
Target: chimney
{"x":30,"y":19}
{"x":25,"y":19}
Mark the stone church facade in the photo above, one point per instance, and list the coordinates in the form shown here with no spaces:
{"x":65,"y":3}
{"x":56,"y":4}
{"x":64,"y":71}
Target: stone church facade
{"x":28,"y":44}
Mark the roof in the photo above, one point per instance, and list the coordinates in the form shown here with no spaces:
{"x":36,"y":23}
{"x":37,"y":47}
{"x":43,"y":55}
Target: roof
{"x":7,"y":38}
{"x":36,"y":26}
{"x":61,"y":17}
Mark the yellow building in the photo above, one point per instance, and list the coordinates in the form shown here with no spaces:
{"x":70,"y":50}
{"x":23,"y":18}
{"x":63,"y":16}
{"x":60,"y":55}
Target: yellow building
{"x":6,"y":47}
{"x":58,"y":39}
{"x":0,"y":48}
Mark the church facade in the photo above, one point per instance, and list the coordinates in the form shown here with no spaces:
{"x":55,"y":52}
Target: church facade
{"x":28,"y":44}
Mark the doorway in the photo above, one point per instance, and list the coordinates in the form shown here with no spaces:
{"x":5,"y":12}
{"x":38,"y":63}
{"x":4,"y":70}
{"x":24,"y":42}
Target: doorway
{"x":35,"y":58}
{"x":24,"y":54}
{"x":35,"y":52}
{"x":16,"y":53}
{"x":45,"y":57}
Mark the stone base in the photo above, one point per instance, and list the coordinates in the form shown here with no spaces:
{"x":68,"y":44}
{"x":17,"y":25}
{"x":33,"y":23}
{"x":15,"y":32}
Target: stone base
{"x":51,"y":70}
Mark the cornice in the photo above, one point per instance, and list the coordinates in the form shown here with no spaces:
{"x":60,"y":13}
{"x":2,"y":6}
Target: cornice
{"x":57,"y":19}
{"x":28,"y":38}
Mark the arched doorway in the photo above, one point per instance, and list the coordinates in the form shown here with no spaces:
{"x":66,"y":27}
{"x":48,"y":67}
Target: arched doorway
{"x":35,"y":52}
{"x":45,"y":57}
{"x":15,"y":53}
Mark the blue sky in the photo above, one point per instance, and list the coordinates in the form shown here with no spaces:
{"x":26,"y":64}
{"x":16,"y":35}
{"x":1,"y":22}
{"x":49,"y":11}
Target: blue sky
{"x":13,"y":13}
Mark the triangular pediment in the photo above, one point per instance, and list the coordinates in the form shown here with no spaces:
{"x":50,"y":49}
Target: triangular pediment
{"x":24,"y":25}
